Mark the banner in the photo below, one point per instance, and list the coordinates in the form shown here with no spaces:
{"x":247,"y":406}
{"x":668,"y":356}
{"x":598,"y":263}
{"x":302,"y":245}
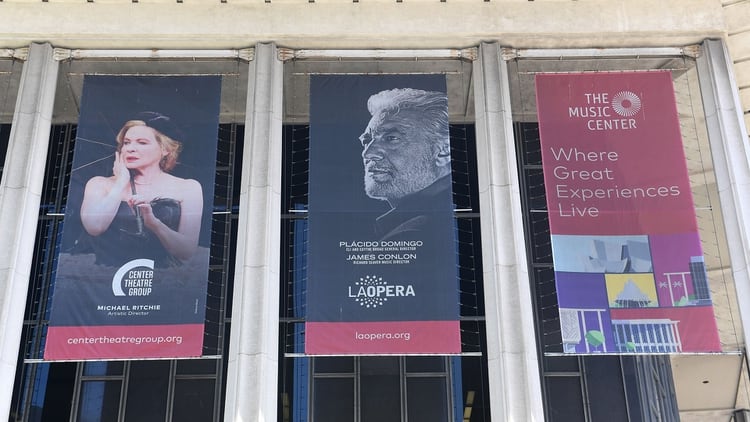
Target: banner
{"x":629,"y":268}
{"x":132,"y":274}
{"x":382,"y":249}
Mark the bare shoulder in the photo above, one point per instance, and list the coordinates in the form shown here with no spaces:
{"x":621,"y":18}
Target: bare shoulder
{"x":188,"y":184}
{"x":184,"y":188}
{"x":100,"y":182}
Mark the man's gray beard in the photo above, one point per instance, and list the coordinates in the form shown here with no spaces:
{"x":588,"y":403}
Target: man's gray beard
{"x":395,"y":189}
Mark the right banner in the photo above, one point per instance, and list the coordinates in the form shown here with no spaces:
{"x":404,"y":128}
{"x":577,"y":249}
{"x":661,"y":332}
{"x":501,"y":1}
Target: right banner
{"x":628,"y":262}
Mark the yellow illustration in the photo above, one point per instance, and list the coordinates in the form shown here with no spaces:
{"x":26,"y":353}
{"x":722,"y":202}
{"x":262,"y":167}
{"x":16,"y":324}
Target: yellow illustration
{"x":631,"y":290}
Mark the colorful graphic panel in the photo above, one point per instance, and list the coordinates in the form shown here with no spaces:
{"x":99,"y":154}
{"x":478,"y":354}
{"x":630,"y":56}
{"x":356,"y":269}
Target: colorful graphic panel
{"x":382,"y":275}
{"x":629,"y":268}
{"x":132,"y":271}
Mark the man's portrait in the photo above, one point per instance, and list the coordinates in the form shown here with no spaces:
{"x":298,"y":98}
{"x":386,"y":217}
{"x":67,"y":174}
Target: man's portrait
{"x":406,"y":157}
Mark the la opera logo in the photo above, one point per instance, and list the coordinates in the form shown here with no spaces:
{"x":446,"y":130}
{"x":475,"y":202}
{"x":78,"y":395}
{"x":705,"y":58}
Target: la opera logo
{"x":371,"y":291}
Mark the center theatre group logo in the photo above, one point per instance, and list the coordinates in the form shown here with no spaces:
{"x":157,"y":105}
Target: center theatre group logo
{"x":135,"y":278}
{"x":371,"y":291}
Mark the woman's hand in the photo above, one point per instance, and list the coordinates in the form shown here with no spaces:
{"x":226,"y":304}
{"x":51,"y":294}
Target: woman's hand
{"x":120,"y":170}
{"x":147,"y":213}
{"x":101,"y":198}
{"x":143,"y":208}
{"x":183,"y":242}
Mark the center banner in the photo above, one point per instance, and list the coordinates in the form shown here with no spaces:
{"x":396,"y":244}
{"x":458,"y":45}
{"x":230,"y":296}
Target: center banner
{"x":382,"y":275}
{"x":629,"y":268}
{"x":132,"y":274}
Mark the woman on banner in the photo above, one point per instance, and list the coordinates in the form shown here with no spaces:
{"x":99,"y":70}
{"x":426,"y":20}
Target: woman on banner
{"x":143,"y":211}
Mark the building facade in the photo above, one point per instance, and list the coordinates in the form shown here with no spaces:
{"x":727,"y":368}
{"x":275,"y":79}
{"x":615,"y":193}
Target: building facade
{"x":512,"y":366}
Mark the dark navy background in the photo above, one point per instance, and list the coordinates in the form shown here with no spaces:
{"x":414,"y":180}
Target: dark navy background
{"x":339,"y":210}
{"x":192,"y":103}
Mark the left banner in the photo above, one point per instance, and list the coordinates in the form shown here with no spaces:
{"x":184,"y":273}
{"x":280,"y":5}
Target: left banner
{"x":132,"y":274}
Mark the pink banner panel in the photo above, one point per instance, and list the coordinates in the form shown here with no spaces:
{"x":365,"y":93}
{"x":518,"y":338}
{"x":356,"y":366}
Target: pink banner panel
{"x":630,"y":272}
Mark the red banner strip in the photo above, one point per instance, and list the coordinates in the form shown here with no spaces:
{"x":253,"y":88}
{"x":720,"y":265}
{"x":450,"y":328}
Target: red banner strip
{"x":419,"y":337}
{"x":124,"y":342}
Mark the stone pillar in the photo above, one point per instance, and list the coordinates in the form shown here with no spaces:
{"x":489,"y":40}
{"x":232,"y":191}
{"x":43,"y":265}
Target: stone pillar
{"x":731,"y":153}
{"x":20,"y":194}
{"x":515,"y":386}
{"x":251,"y":394}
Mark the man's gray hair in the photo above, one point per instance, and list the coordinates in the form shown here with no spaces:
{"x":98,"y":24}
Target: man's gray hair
{"x":432,"y":104}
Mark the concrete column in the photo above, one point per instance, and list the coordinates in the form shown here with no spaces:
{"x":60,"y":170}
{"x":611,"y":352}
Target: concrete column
{"x":515,"y":387}
{"x":731,"y":154}
{"x":20,"y":194}
{"x":253,"y":350}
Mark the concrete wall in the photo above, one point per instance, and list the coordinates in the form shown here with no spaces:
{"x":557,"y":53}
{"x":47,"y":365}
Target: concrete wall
{"x":358,"y":23}
{"x":737,"y":16}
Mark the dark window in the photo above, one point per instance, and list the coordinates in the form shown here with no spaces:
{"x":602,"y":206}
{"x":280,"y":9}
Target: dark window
{"x":148,"y":384}
{"x":4,"y":140}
